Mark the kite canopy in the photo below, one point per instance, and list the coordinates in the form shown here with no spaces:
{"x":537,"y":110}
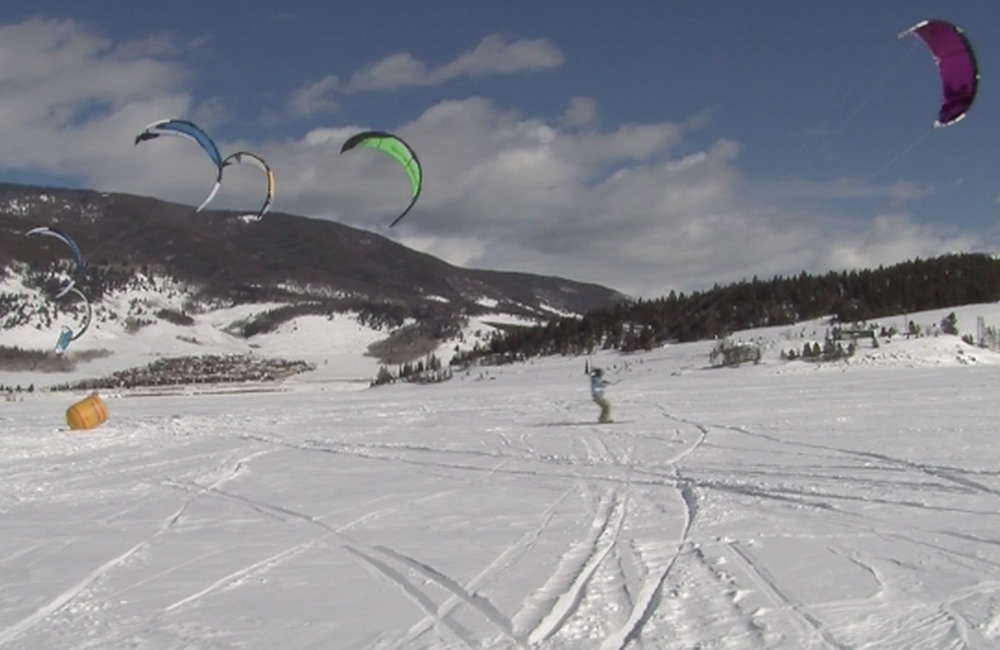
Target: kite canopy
{"x":66,"y":239}
{"x":255,"y":160}
{"x":401,"y":152}
{"x":66,"y":333}
{"x":956,"y":62}
{"x":191,"y":131}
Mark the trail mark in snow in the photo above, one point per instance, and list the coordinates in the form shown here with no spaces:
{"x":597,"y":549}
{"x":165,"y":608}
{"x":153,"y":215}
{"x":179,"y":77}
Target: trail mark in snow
{"x":72,"y":592}
{"x":417,"y":596}
{"x":505,"y":559}
{"x":544,"y":612}
{"x":63,"y":599}
{"x":650,"y":591}
{"x":768,"y":585}
{"x":476,"y":602}
{"x":235,"y":577}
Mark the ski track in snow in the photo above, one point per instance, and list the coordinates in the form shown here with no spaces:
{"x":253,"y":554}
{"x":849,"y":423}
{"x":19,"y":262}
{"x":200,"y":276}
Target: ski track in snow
{"x":235,"y":578}
{"x":68,"y":595}
{"x":363,"y":552}
{"x":418,"y":596}
{"x":649,"y":593}
{"x":543,"y":613}
{"x":293,"y":517}
{"x":573,"y":604}
{"x":807,"y":630}
{"x":509,"y":556}
{"x":555,"y":610}
{"x":814,"y":629}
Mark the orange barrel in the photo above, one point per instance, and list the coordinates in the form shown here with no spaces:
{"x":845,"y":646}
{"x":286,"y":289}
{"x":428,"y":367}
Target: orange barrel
{"x":88,"y":413}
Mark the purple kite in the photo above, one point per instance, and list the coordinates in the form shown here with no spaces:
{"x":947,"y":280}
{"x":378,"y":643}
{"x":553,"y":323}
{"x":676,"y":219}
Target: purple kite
{"x":956,"y":62}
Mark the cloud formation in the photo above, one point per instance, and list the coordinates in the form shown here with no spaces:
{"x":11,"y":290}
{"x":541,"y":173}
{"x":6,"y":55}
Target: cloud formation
{"x":847,"y":189}
{"x":643,"y":207}
{"x":580,"y":112}
{"x":492,"y":56}
{"x":315,"y":97}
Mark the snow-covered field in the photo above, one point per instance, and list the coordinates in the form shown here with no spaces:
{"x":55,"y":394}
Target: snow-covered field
{"x":782,"y":505}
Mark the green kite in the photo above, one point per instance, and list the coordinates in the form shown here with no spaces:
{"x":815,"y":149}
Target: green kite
{"x":401,"y":152}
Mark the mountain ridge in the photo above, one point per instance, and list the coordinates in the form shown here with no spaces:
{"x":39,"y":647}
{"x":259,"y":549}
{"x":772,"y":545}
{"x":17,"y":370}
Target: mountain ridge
{"x":229,"y":258}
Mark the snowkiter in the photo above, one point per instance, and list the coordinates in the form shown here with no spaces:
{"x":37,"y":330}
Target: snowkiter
{"x":597,"y":385}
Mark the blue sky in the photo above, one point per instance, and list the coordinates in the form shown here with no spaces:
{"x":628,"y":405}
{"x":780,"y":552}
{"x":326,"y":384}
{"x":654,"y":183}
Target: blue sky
{"x":643,"y":145}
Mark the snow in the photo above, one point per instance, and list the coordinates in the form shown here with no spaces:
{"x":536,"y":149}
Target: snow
{"x":50,"y":207}
{"x":780,"y":505}
{"x":20,"y":208}
{"x":555,"y":311}
{"x":336,"y":345}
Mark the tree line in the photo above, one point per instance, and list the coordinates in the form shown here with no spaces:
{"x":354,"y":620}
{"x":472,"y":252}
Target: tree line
{"x":846,"y":296}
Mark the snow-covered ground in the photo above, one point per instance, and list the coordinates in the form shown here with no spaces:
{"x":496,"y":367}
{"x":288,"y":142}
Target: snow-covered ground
{"x":782,"y":505}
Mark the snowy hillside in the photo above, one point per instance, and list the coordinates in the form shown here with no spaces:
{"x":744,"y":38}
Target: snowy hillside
{"x":282,"y":254}
{"x":926,"y":346}
{"x":69,"y":204}
{"x":126,"y":332}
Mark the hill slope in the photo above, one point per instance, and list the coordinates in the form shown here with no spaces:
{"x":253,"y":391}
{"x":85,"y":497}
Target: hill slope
{"x":164,"y":281}
{"x":282,"y":255}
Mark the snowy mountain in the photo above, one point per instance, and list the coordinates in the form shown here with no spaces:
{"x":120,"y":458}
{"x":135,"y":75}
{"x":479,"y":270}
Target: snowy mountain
{"x":163,"y":281}
{"x":283,"y":256}
{"x":154,"y":317}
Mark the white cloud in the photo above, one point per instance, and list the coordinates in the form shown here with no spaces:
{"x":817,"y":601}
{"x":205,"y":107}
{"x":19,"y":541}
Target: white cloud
{"x":69,"y":99}
{"x":890,"y":239}
{"x":581,"y":111}
{"x":492,"y":56}
{"x":162,"y":44}
{"x":210,"y":113}
{"x":847,"y":189}
{"x":624,"y":206}
{"x":315,"y":98}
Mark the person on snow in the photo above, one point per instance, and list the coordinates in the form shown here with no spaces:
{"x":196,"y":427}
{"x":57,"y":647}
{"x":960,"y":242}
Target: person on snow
{"x":597,"y":385}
